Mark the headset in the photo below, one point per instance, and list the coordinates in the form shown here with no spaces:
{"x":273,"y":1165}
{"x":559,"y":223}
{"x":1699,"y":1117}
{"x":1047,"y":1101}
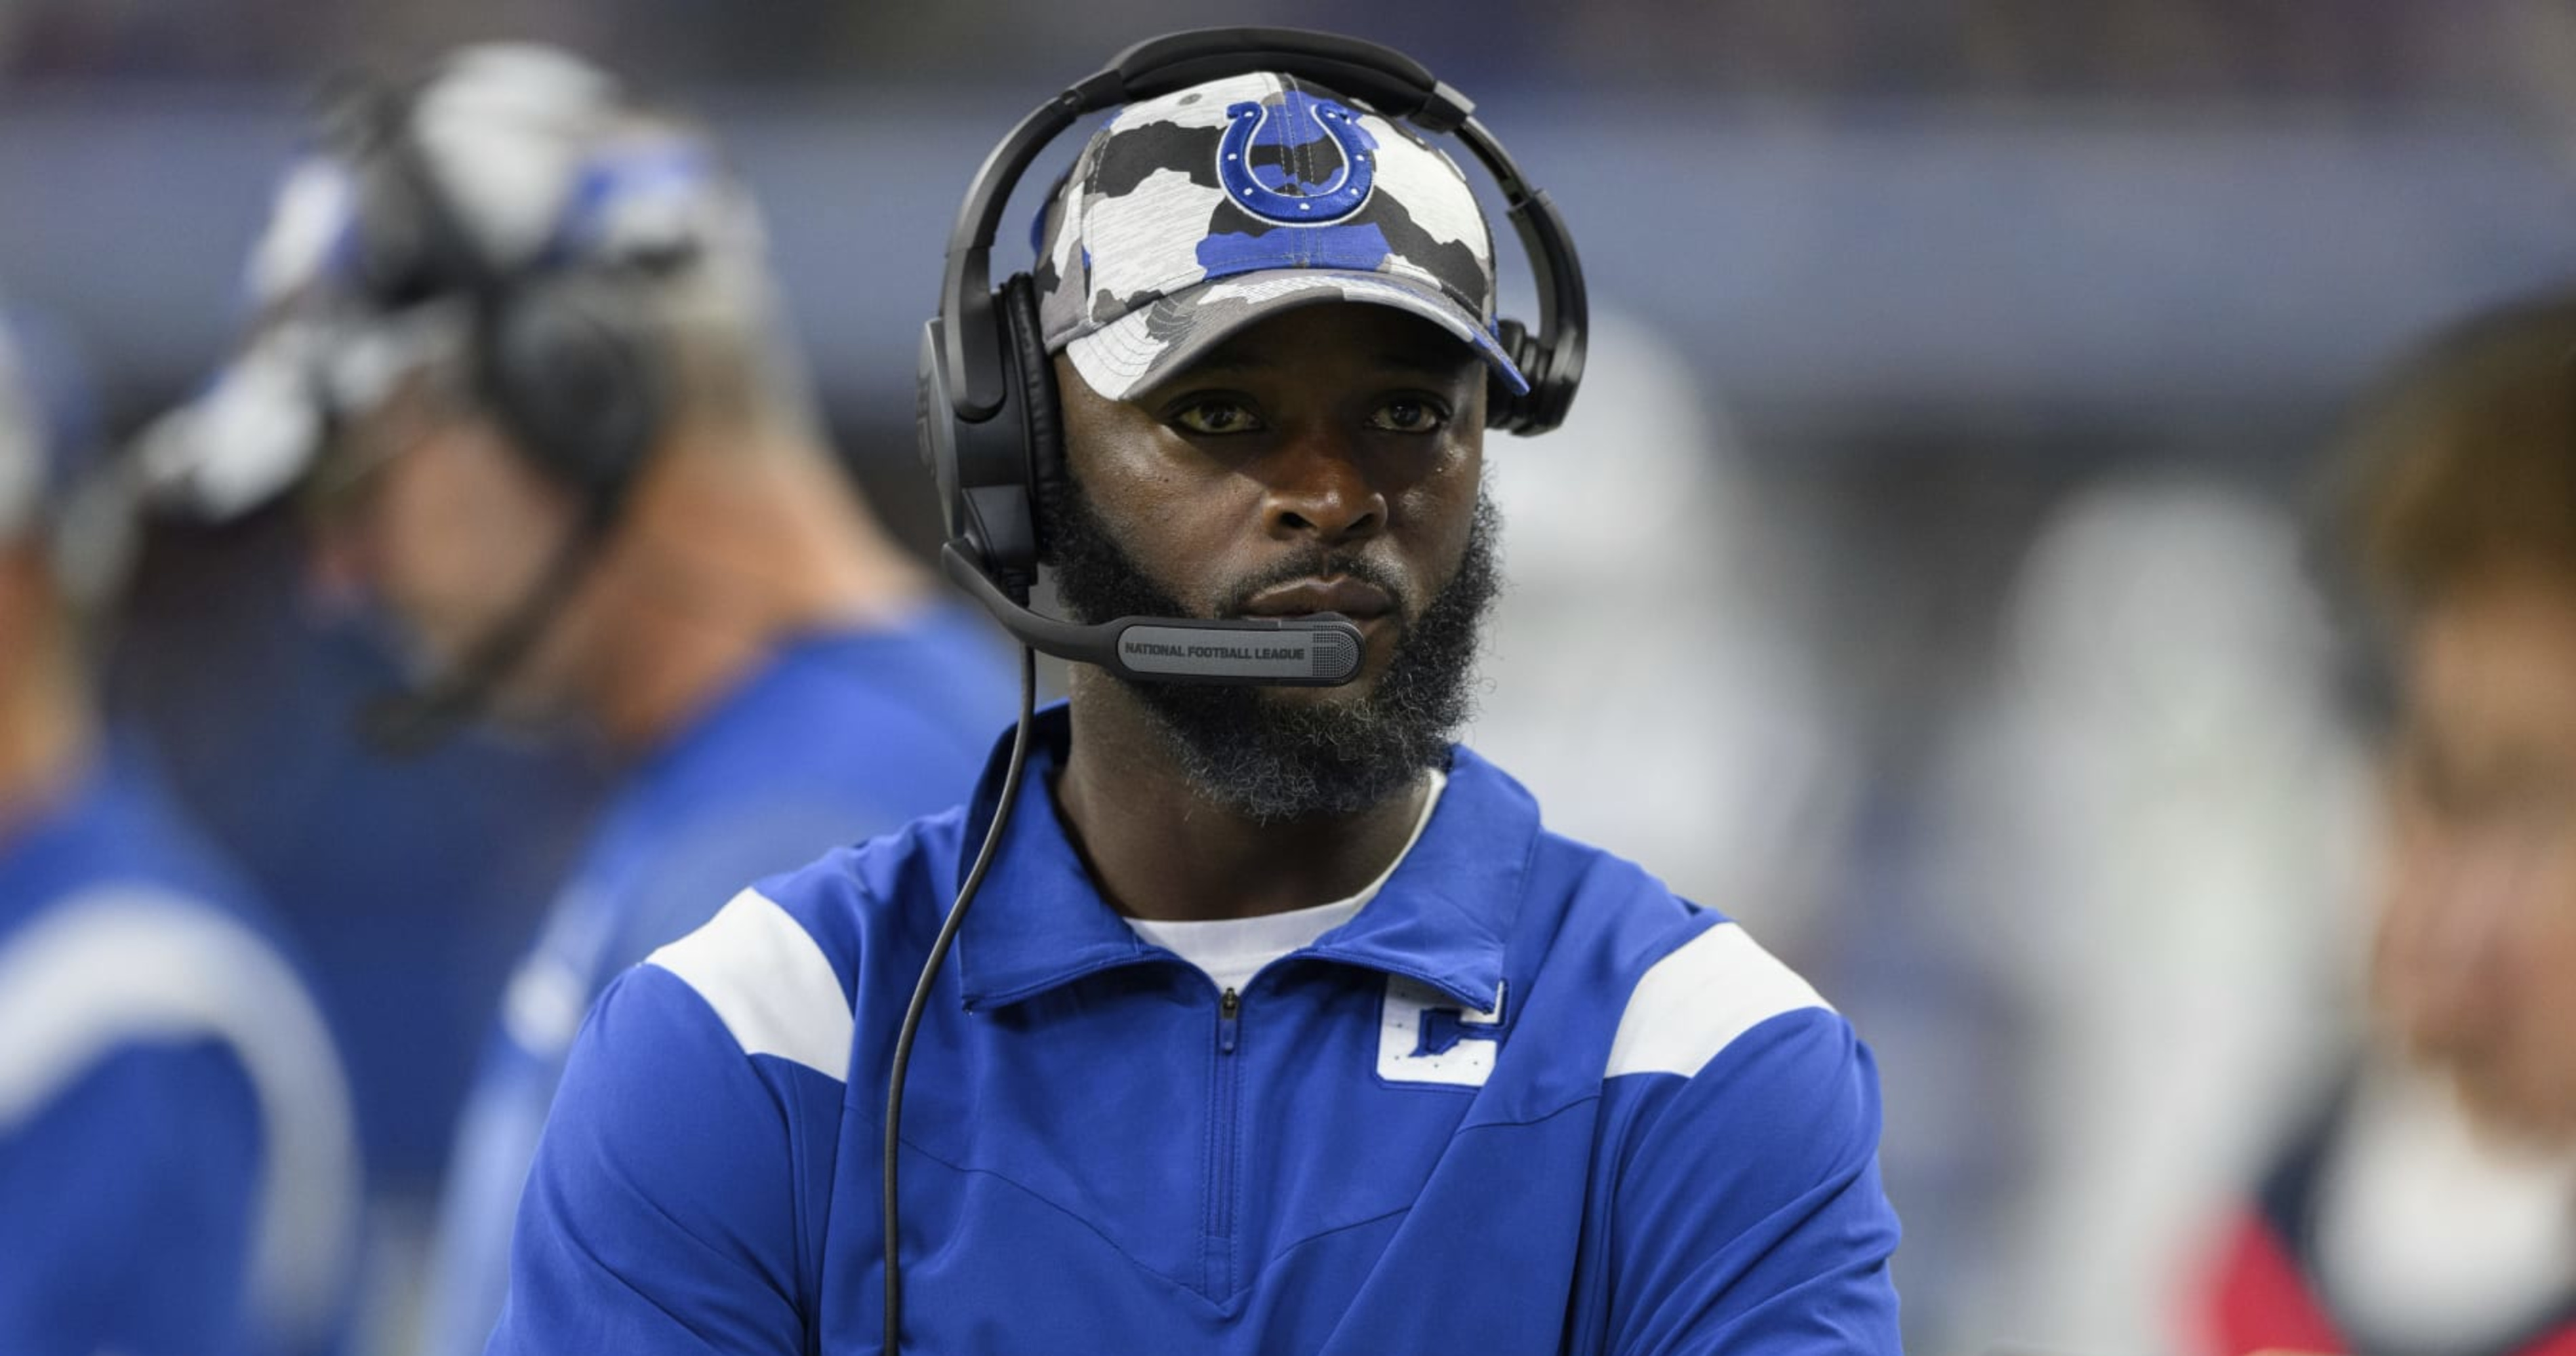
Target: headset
{"x":991,"y":430}
{"x":559,"y":353}
{"x":989,"y":423}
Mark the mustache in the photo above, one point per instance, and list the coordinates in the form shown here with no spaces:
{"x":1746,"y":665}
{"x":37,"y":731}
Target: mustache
{"x":1323,"y":564}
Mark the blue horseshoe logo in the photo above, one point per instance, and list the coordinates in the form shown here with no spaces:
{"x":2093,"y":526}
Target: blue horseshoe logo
{"x":1260,"y":191}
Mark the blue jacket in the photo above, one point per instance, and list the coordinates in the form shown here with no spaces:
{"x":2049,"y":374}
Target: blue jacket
{"x":178,"y":1170}
{"x":841,"y":735}
{"x":1525,"y":1101}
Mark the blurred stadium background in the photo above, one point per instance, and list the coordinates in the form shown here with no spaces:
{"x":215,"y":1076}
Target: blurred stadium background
{"x":1962,"y":376}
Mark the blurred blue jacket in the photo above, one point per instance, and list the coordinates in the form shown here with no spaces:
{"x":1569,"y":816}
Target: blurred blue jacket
{"x":178,"y":1172}
{"x":840,"y":736}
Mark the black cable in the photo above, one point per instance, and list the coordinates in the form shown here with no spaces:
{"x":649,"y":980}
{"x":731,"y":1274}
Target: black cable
{"x":929,"y":976}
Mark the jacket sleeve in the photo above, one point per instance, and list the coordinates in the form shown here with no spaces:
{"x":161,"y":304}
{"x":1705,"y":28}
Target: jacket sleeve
{"x":661,"y":1214}
{"x":127,"y":1207}
{"x":1746,"y":1213}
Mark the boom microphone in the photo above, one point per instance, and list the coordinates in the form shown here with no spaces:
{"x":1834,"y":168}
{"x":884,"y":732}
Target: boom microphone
{"x":1322,"y":650}
{"x":411,"y":723}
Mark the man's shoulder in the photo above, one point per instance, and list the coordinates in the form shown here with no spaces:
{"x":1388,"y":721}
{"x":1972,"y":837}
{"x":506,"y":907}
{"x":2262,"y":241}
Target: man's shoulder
{"x":1560,"y":879}
{"x":1590,"y":897}
{"x":1696,"y":1035}
{"x":759,"y":794}
{"x":780,"y":964}
{"x":1677,"y":984}
{"x":121,"y":962}
{"x":119,"y":924}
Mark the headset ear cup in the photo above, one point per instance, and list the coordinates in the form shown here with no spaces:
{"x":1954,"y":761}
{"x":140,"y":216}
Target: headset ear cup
{"x":1505,"y":408}
{"x":1040,"y":415}
{"x":563,"y":366}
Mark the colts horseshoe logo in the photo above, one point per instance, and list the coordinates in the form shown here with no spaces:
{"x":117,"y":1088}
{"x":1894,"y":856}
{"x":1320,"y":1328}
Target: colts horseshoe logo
{"x":1297,"y":121}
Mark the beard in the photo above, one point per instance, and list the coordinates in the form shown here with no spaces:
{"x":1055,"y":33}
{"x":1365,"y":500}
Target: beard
{"x":1270,"y":759}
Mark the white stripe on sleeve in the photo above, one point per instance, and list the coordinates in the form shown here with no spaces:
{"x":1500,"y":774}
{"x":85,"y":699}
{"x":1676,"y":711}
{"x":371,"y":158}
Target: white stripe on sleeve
{"x":1692,"y":1004}
{"x":769,"y":983}
{"x":128,"y":964}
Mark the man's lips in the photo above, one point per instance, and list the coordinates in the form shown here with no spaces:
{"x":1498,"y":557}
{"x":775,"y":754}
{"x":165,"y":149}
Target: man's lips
{"x":1353,"y":598}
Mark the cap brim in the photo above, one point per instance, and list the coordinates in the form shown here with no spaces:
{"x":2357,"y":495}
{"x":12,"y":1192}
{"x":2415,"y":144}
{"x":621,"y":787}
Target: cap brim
{"x":246,"y":439}
{"x":257,"y":430}
{"x":1139,"y":350}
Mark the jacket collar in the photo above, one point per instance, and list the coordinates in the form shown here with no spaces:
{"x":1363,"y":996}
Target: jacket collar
{"x":1039,"y":922}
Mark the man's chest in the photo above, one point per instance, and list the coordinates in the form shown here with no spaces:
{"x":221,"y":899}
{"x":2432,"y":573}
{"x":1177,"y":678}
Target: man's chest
{"x":1141,"y":1159}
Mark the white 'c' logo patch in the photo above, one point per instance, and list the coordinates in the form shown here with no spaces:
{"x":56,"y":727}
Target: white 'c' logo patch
{"x":1425,"y":1036}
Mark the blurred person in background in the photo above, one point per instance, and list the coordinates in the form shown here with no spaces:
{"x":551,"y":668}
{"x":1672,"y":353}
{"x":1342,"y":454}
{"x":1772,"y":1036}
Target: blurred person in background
{"x":518,"y":344}
{"x":177,"y":1168}
{"x":2152,"y":813}
{"x":2147,"y":821}
{"x":2432,"y":1206}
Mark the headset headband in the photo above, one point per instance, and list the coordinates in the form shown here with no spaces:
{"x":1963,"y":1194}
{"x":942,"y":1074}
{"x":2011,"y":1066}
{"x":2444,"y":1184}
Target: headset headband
{"x":1395,"y":84}
{"x":389,"y":134}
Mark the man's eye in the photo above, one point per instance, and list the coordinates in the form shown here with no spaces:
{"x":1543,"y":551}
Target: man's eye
{"x":1215,"y":415}
{"x":1409,"y":415}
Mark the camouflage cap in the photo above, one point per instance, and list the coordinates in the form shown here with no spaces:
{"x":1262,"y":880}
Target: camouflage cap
{"x":1190,"y":216}
{"x":549,"y":167}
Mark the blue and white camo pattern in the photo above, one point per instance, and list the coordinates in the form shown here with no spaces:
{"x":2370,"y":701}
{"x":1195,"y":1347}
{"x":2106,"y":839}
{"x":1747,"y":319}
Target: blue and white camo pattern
{"x":1188,"y":216}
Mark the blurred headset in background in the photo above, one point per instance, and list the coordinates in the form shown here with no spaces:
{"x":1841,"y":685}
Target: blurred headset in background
{"x":514,"y":209}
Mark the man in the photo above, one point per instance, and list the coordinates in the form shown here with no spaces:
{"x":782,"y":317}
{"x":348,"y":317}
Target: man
{"x":177,"y":1170}
{"x":2433,"y":1206}
{"x":1281,"y":1024}
{"x":574,"y":462}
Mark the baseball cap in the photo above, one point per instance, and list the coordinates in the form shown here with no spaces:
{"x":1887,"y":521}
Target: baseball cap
{"x":543,"y":163}
{"x":1189,"y":216}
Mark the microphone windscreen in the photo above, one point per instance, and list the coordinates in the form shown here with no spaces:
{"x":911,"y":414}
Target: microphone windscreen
{"x":1337,"y":655}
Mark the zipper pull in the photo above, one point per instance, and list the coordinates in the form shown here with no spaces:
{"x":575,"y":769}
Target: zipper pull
{"x":1228,"y":1007}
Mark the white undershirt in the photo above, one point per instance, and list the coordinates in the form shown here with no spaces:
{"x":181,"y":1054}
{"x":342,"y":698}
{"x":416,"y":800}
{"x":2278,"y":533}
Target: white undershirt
{"x":1233,"y":950}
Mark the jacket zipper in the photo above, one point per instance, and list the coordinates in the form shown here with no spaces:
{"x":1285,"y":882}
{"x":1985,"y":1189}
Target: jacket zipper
{"x":1217,"y":1279}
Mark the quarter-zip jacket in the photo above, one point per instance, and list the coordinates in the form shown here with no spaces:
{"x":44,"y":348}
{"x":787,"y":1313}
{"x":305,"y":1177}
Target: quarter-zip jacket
{"x":1525,"y":1101}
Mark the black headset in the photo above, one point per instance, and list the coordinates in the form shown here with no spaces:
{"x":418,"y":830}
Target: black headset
{"x":990,"y":426}
{"x":562,"y":357}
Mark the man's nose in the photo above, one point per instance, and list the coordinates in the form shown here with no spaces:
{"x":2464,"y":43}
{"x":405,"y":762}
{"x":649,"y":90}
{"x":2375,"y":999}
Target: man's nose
{"x":1318,"y":488}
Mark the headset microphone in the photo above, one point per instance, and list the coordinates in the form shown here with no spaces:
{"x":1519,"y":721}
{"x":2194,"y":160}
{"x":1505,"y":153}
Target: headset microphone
{"x":1320,"y":650}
